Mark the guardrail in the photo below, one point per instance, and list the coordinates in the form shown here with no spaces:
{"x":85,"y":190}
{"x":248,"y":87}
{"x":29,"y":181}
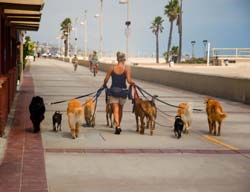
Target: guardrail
{"x":231,"y":52}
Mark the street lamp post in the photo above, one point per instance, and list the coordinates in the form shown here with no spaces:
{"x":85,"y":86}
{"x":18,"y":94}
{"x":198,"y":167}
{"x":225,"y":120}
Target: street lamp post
{"x":59,"y":44}
{"x":127,"y":23}
{"x":100,"y":16}
{"x":208,"y":52}
{"x":193,"y":43}
{"x":205,"y":48}
{"x":75,"y":34}
{"x":85,"y":25}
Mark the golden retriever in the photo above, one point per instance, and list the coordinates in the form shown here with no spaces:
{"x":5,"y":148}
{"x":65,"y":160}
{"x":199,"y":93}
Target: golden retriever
{"x":185,"y":112}
{"x":214,"y":114}
{"x":142,"y":109}
{"x":89,"y":107}
{"x":75,"y":117}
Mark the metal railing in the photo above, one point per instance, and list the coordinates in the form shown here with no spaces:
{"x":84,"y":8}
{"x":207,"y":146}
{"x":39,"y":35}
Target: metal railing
{"x":231,"y":52}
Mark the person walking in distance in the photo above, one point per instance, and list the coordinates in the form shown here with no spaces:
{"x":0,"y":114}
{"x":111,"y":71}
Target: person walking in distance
{"x":118,"y":91}
{"x":75,"y":62}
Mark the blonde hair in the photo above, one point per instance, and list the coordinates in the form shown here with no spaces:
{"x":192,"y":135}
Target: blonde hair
{"x":120,"y":56}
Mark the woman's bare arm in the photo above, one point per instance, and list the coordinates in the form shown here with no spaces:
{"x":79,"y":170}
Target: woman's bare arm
{"x":107,"y":76}
{"x":128,"y":76}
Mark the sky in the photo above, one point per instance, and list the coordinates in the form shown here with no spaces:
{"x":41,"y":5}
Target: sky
{"x":224,"y":23}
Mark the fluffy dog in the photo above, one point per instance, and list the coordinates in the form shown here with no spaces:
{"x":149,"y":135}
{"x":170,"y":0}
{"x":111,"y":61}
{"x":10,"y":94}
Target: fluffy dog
{"x":57,"y":120}
{"x":37,"y":110}
{"x":142,"y":109}
{"x":185,"y":112}
{"x":75,"y":117}
{"x":178,"y":126}
{"x":89,"y":108}
{"x":214,"y":114}
{"x":109,"y":112}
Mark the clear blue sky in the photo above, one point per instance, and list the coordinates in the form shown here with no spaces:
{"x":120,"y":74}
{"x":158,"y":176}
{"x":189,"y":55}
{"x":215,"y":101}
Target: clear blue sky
{"x":225,"y":23}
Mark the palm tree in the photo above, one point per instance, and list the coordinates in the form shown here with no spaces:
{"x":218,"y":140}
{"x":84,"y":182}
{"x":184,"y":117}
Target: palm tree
{"x":156,"y":29}
{"x":66,"y":28}
{"x":179,"y":24}
{"x":172,"y":11}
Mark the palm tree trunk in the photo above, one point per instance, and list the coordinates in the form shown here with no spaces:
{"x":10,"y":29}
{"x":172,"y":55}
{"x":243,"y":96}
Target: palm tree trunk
{"x":170,"y":38}
{"x":66,"y":46}
{"x":157,"y":47}
{"x":180,"y":33}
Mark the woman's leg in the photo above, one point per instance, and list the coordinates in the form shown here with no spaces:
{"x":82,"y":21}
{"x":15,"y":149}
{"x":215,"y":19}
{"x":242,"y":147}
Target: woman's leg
{"x":120,"y":113}
{"x":116,"y":114}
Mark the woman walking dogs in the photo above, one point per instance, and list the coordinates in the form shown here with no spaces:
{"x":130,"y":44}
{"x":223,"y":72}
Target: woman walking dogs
{"x":118,"y":91}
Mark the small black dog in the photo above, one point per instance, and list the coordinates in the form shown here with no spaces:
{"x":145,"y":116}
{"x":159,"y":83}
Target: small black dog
{"x":37,"y":110}
{"x":57,"y":120}
{"x":178,"y":126}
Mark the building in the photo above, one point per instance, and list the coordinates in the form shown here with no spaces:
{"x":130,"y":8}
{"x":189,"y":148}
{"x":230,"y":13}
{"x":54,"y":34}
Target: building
{"x":16,"y":17}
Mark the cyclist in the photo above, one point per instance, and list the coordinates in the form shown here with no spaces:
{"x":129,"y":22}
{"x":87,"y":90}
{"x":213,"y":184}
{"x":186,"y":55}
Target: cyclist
{"x":94,"y":62}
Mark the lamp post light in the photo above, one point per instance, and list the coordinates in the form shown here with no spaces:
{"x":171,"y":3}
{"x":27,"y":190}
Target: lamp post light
{"x":193,"y":43}
{"x":127,"y":23}
{"x":59,"y":44}
{"x":205,"y":48}
{"x":100,"y":16}
{"x":75,"y":36}
{"x":85,"y":25}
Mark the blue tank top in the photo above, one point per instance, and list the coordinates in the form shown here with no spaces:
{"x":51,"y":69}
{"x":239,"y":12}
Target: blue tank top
{"x":119,"y":80}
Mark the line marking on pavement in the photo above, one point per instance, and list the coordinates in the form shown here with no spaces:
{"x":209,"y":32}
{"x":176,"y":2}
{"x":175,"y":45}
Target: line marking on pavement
{"x":212,"y":139}
{"x":147,"y":151}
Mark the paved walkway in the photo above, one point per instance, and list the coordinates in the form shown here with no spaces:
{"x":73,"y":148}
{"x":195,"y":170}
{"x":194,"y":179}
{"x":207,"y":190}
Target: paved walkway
{"x":23,"y":165}
{"x":100,"y":161}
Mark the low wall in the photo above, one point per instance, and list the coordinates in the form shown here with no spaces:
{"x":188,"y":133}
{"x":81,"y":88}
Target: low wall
{"x":235,"y":89}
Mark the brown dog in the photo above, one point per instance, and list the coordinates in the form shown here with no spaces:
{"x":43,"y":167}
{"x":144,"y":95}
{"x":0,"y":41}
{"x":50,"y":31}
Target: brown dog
{"x":89,"y":108}
{"x":185,"y":112}
{"x":142,"y":109}
{"x":214,"y":114}
{"x":109,"y":112}
{"x":75,"y":117}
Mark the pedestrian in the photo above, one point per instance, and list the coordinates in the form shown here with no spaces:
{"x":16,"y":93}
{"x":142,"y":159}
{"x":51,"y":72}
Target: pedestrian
{"x":75,"y":62}
{"x":118,"y":91}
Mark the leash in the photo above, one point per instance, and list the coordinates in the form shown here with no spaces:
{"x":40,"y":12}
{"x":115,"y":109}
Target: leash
{"x":63,"y":101}
{"x":161,"y":125}
{"x":95,"y":98}
{"x":136,"y":98}
{"x":175,"y":106}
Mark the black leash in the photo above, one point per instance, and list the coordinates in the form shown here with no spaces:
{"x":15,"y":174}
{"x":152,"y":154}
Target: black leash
{"x":95,"y":98}
{"x":62,"y":101}
{"x":142,"y":90}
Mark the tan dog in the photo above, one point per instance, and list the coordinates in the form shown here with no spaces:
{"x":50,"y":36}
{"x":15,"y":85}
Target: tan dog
{"x":214,"y":114}
{"x":75,"y":117}
{"x":142,"y":109}
{"x":89,"y":108}
{"x":109,"y":112}
{"x":185,"y":112}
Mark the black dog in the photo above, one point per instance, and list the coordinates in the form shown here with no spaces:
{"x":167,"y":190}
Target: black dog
{"x":57,"y":120}
{"x":178,"y":126}
{"x":37,"y":110}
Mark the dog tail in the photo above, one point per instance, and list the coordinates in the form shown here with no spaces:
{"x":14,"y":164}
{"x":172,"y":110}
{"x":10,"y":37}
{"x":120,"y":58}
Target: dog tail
{"x":223,"y":115}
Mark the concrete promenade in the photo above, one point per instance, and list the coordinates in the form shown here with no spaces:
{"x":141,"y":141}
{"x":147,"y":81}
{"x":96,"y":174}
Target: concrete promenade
{"x":100,"y":161}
